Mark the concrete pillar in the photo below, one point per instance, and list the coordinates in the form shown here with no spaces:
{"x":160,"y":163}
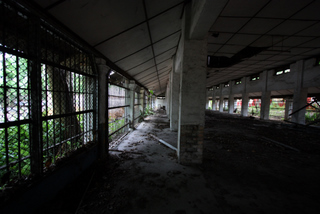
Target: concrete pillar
{"x":141,"y":107}
{"x":231,"y":104}
{"x":245,"y":97}
{"x":245,"y":104}
{"x":300,"y":94}
{"x":192,"y":101}
{"x":265,"y":105}
{"x":168,"y":99}
{"x":207,"y":99}
{"x":214,"y":104}
{"x":288,"y":108}
{"x":231,"y":98}
{"x":132,"y":87}
{"x":221,"y":99}
{"x":174,"y":104}
{"x":103,"y":107}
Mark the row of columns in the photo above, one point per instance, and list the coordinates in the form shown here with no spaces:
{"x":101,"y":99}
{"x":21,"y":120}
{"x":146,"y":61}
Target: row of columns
{"x":298,"y":102}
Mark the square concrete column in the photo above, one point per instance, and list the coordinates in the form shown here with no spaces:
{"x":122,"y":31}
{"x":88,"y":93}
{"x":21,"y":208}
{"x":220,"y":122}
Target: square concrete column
{"x":221,"y":99}
{"x":288,"y":108}
{"x":265,"y":105}
{"x":132,"y":87}
{"x":168,"y":99}
{"x":231,"y":104}
{"x":174,"y":104}
{"x":141,"y":100}
{"x":214,"y":104}
{"x":192,"y":101}
{"x":300,"y":94}
{"x":231,"y":98}
{"x":103,"y":106}
{"x":245,"y":105}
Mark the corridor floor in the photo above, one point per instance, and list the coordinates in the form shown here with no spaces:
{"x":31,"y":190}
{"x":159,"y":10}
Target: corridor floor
{"x":245,"y":170}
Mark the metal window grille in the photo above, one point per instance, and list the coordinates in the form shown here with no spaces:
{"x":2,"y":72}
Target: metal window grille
{"x":118,"y":106}
{"x":277,"y":108}
{"x":136,"y":106}
{"x":47,"y":94}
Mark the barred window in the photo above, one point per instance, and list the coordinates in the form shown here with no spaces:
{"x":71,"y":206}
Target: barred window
{"x":47,"y":95}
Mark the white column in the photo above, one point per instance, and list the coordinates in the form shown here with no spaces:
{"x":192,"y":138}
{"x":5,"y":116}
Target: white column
{"x":132,"y":87}
{"x":174,"y":104}
{"x":103,"y":106}
{"x":265,"y":105}
{"x":221,"y":99}
{"x":192,"y":102}
{"x":231,"y":98}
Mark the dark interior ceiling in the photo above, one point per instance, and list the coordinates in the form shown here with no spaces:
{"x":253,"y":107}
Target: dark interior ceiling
{"x":141,"y":36}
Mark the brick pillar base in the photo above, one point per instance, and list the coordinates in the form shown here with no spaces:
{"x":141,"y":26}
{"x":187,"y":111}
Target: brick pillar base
{"x":191,"y":144}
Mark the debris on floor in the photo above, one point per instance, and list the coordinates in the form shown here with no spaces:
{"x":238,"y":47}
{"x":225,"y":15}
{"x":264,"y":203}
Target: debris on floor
{"x":241,"y":172}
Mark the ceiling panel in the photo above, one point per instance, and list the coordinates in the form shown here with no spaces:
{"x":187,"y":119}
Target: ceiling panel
{"x":166,"y":55}
{"x":291,"y":27}
{"x":165,"y":24}
{"x":136,"y":59}
{"x":275,"y":9}
{"x":142,"y":44}
{"x":260,"y":26}
{"x":96,"y":21}
{"x":141,"y":67}
{"x":311,"y":12}
{"x":311,"y":31}
{"x":294,"y":41}
{"x":149,"y":71}
{"x":155,"y":7}
{"x":230,"y":49}
{"x":244,"y":8}
{"x":312,"y":43}
{"x":268,"y":40}
{"x":228,"y":24}
{"x":220,"y":38}
{"x":243,"y":39}
{"x":126,"y":44}
{"x":165,"y":44}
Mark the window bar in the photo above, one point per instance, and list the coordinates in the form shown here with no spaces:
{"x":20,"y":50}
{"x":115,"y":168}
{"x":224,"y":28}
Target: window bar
{"x":35,"y":66}
{"x":18,"y":116}
{"x":46,"y":103}
{"x":5,"y":109}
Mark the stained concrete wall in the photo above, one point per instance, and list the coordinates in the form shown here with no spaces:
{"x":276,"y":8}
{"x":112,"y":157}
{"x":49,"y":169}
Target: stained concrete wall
{"x":161,"y":103}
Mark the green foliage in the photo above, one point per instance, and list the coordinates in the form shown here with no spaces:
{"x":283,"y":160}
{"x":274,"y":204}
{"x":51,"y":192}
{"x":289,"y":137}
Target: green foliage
{"x":115,"y":125}
{"x":312,"y":116}
{"x":19,"y":146}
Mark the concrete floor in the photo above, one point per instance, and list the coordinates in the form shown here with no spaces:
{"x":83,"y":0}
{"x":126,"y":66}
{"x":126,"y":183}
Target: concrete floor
{"x":242,"y":171}
{"x":161,"y":185}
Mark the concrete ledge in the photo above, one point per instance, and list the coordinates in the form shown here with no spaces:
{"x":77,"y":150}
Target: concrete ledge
{"x":48,"y":187}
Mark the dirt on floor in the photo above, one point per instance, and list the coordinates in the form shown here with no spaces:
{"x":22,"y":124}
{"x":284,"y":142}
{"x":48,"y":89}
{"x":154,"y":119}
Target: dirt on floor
{"x":249,"y":166}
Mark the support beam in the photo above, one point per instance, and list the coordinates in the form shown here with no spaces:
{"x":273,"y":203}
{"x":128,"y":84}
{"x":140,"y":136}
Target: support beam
{"x":231,"y":98}
{"x":204,"y":13}
{"x":288,"y":108}
{"x":265,"y":105}
{"x":103,"y":70}
{"x":192,"y":102}
{"x":245,"y":104}
{"x":174,"y":104}
{"x":132,"y":87}
{"x":300,"y":94}
{"x":221,"y":99}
